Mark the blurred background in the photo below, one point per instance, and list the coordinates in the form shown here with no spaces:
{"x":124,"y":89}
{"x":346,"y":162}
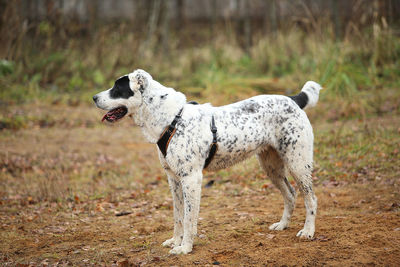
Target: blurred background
{"x":233,"y":48}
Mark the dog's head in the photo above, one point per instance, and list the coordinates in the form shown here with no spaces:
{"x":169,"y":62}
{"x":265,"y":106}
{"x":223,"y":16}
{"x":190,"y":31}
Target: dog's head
{"x":125,"y":97}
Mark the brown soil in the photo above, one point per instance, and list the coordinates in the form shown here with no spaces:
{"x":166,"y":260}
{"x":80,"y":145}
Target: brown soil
{"x":355,"y":226}
{"x":357,"y":223}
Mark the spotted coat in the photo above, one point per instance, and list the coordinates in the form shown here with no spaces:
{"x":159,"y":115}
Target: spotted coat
{"x":273,"y":127}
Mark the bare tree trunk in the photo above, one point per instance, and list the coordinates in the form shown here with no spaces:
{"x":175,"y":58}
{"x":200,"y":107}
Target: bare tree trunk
{"x":237,"y":21}
{"x":49,"y":9}
{"x":152,"y":24}
{"x":336,"y":20}
{"x":179,"y":19}
{"x":165,"y":27}
{"x":273,"y":17}
{"x":92,"y":8}
{"x":389,"y":10}
{"x":247,"y":26}
{"x":153,"y":19}
{"x":35,"y":9}
{"x":213,"y":19}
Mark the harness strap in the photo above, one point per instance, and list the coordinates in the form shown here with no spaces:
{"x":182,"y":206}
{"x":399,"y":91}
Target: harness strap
{"x":214,"y":145}
{"x":168,"y":133}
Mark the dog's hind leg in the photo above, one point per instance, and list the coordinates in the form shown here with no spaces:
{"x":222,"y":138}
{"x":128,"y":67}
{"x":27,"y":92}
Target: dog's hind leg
{"x":191,"y":188}
{"x":273,"y":165}
{"x":177,"y":198}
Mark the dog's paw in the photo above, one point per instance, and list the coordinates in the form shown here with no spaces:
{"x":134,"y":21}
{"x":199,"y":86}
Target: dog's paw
{"x":180,"y":250}
{"x":169,"y":243}
{"x":279,"y":226}
{"x":306,"y":233}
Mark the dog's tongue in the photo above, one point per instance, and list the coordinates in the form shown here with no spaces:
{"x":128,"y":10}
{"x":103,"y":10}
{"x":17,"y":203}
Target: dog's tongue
{"x":114,"y":114}
{"x":108,"y":116}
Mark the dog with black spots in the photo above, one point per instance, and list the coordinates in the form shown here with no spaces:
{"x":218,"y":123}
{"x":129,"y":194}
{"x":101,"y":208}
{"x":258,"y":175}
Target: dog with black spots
{"x":275,"y":128}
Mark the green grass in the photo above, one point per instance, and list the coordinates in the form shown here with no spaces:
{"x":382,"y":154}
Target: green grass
{"x":359,"y":149}
{"x":74,"y":69}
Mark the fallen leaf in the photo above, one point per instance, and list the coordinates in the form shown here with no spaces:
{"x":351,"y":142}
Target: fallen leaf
{"x":123,"y":263}
{"x":322,"y":238}
{"x":339,"y":164}
{"x":99,"y":207}
{"x":270,"y":236}
{"x":155,"y":259}
{"x":30,"y":200}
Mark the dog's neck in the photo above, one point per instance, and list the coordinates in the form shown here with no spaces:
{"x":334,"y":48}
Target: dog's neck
{"x":158,"y":110}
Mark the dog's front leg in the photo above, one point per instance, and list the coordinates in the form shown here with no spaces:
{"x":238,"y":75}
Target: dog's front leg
{"x":191,"y":188}
{"x":177,"y":198}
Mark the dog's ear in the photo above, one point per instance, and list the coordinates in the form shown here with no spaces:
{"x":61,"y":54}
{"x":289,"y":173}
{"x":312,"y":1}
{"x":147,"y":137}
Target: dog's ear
{"x":141,"y":79}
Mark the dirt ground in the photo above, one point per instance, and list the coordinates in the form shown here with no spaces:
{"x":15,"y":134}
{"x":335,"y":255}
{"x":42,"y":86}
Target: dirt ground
{"x":91,"y":194}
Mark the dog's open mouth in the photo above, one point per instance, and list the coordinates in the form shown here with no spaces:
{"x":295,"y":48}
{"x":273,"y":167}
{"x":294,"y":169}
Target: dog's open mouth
{"x":115,"y":114}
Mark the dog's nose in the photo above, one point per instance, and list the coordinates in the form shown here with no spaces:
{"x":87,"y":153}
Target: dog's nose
{"x":95,"y":97}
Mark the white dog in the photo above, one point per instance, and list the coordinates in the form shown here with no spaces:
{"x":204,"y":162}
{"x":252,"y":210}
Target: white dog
{"x":192,"y":137}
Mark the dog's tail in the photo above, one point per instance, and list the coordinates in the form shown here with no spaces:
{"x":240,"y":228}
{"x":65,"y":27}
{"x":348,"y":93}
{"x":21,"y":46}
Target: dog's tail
{"x":308,"y":97}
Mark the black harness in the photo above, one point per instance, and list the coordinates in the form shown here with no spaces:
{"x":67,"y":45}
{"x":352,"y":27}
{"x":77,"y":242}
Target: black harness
{"x":214,"y":144}
{"x":170,"y":130}
{"x":168,"y":133}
